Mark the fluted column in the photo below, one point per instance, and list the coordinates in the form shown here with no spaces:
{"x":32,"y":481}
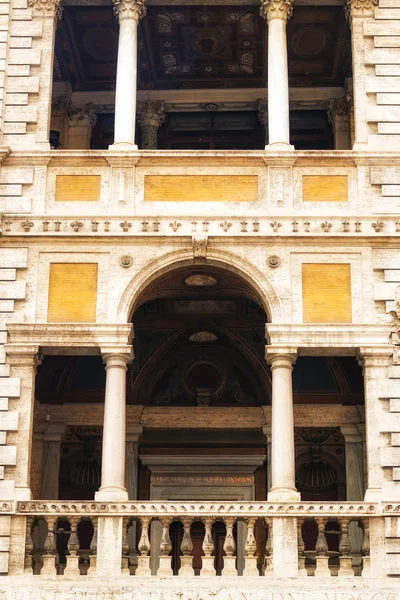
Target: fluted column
{"x":129,"y":13}
{"x":282,"y":435}
{"x":114,"y":429}
{"x":151,"y":116}
{"x":277,"y":13}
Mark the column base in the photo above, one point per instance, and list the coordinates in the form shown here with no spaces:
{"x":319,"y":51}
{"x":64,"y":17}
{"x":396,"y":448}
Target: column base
{"x":283,"y":495}
{"x":111,"y":494}
{"x":123,"y":146}
{"x":279,"y":147}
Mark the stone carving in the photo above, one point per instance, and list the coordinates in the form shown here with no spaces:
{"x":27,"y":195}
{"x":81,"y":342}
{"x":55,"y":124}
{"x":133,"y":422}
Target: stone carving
{"x":200,"y":280}
{"x":357,"y":226}
{"x":273,"y":261}
{"x":378,"y":226}
{"x":275,"y":226}
{"x":151,"y":116}
{"x":202,"y":336}
{"x":326,"y":226}
{"x":276,"y":9}
{"x":199,"y":243}
{"x":76,"y":225}
{"x":45,"y":225}
{"x":175,"y":226}
{"x":256,"y":226}
{"x":46,"y":8}
{"x":346,"y":226}
{"x":244,"y":226}
{"x":125,"y":225}
{"x":129,"y":9}
{"x":27,"y":225}
{"x":225,"y":226}
{"x":392,"y":317}
{"x":95,"y":225}
{"x":63,"y":106}
{"x":338,"y":107}
{"x":360,"y":7}
{"x":126,"y":261}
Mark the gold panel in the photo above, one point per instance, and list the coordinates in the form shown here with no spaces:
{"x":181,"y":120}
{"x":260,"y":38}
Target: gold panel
{"x":326,"y":293}
{"x":72,"y":293}
{"x":325,"y":188}
{"x":201,"y":188}
{"x":78,"y":188}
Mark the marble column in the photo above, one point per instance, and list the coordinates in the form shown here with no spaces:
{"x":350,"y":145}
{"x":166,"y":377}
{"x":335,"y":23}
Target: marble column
{"x":51,"y":461}
{"x":354,"y":456}
{"x":131,"y":483}
{"x":129,"y":13}
{"x":114,"y":430}
{"x":151,"y":116}
{"x":338,"y":116}
{"x":282,"y":433}
{"x":262,"y":114}
{"x":277,"y":13}
{"x":47,"y":12}
{"x":375,"y":361}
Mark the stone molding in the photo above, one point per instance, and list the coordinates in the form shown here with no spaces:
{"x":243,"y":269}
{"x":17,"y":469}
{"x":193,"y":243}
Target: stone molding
{"x":46,"y":9}
{"x":374,"y":356}
{"x":23,"y":354}
{"x":114,"y":338}
{"x":276,"y":9}
{"x":332,"y":337}
{"x":130,"y":9}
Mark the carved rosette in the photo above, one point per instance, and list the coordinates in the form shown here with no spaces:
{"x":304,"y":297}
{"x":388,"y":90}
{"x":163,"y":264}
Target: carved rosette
{"x":360,"y":8}
{"x":276,"y":9}
{"x":129,"y":9}
{"x":47,"y":9}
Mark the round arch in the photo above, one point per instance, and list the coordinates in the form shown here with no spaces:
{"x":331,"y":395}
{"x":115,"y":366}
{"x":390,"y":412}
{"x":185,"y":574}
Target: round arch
{"x":244,"y":269}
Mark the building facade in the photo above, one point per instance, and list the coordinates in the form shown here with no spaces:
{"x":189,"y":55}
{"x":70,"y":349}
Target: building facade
{"x":200,"y":300}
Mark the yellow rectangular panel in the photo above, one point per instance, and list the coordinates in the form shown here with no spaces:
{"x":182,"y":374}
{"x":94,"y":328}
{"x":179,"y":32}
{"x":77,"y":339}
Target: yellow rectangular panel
{"x":201,"y":188}
{"x":325,"y":188}
{"x":78,"y":188}
{"x":72,"y":293}
{"x":326,"y":293}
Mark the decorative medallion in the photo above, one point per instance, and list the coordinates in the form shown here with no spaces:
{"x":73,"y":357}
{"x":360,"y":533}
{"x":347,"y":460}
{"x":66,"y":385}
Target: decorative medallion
{"x":126,"y":261}
{"x":200,"y":280}
{"x":202,"y":336}
{"x":273,"y":261}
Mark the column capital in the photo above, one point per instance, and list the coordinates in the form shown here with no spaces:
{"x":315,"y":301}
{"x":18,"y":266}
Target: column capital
{"x":151,"y":113}
{"x":351,"y":433}
{"x":117,"y":355}
{"x":281,"y":356}
{"x":46,"y":9}
{"x":133,"y":432}
{"x":23,"y":354}
{"x":129,"y":9}
{"x":338,"y":107}
{"x":374,"y":356}
{"x":276,"y":9}
{"x":360,"y":8}
{"x":262,"y":111}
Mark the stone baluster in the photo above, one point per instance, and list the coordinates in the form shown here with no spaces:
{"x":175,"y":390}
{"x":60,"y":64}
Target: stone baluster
{"x":229,"y":549}
{"x":143,"y":568}
{"x":50,"y":550}
{"x":165,"y":569}
{"x":125,"y":546}
{"x":346,"y":569}
{"x":301,"y":547}
{"x":365,"y":549}
{"x":28,"y":563}
{"x":208,"y":549}
{"x":129,"y":13}
{"x":93,"y":549}
{"x":72,"y":568}
{"x":277,"y":13}
{"x":151,"y":116}
{"x":321,"y":549}
{"x":269,"y":566}
{"x":250,"y":547}
{"x":187,"y":548}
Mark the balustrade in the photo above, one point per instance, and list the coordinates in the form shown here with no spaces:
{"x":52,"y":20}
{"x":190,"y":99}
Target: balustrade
{"x":63,"y":539}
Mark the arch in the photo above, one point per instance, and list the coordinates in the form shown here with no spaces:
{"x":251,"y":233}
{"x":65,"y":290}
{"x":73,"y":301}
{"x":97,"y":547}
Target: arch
{"x":237,"y":265}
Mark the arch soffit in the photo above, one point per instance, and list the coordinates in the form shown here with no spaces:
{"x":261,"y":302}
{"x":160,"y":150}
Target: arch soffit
{"x":243,"y":268}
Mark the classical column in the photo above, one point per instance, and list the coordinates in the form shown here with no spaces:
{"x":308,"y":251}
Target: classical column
{"x":47,"y":12}
{"x":129,"y":13}
{"x":131,"y":483}
{"x":375,"y":361}
{"x":51,"y":461}
{"x":282,"y":450}
{"x":277,"y":13}
{"x":262,"y":114}
{"x":338,"y":116}
{"x":267,"y":433}
{"x":114,"y":429}
{"x":80,"y":127}
{"x":151,"y":116}
{"x":354,"y":456}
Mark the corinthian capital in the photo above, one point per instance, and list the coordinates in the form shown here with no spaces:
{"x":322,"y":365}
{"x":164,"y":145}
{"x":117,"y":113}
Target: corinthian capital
{"x":129,"y":9}
{"x":276,"y":9}
{"x":360,"y":8}
{"x":47,"y":9}
{"x":338,"y":107}
{"x":151,"y":113}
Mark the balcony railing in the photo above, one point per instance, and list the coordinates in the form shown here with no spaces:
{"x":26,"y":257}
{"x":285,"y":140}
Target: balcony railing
{"x":53,"y":545}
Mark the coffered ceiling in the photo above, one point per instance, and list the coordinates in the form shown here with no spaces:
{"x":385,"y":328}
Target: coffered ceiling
{"x":201,"y":47}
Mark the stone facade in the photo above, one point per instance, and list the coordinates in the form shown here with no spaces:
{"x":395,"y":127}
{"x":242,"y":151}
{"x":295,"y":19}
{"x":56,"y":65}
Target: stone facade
{"x":259,"y":215}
